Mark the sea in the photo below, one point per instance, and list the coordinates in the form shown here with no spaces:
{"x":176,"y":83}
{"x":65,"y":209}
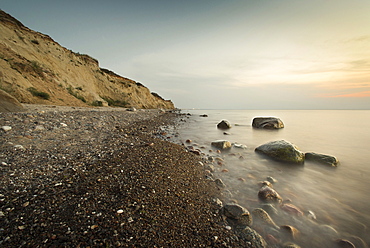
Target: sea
{"x":335,"y":200}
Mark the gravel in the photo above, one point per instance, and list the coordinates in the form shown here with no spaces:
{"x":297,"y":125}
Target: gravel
{"x":103,"y":177}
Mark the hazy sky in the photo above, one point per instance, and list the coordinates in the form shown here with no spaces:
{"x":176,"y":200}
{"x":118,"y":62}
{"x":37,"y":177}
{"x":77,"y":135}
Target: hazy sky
{"x":221,"y":54}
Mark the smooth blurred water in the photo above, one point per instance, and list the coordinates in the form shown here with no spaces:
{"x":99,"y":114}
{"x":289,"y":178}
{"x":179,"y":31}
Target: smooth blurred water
{"x":339,"y":196}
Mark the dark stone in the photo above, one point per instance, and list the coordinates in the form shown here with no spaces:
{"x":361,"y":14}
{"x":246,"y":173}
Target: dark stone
{"x":322,"y":158}
{"x":267,"y":123}
{"x":224,"y":124}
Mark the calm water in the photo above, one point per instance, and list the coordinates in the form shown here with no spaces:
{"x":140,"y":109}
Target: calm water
{"x":339,"y":197}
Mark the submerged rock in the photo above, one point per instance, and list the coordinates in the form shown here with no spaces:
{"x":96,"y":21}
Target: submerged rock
{"x":290,"y":245}
{"x":219,"y":183}
{"x":290,"y":231}
{"x":343,"y":243}
{"x":240,"y":146}
{"x":282,"y":150}
{"x":264,"y":217}
{"x":250,"y":235}
{"x":322,"y":158}
{"x":271,"y":179}
{"x":267,"y":123}
{"x":239,"y":215}
{"x":269,"y":195}
{"x":291,"y":209}
{"x":224,"y":124}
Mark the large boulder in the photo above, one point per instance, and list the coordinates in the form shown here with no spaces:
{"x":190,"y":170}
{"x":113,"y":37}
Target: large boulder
{"x":322,"y":158}
{"x":224,"y":124}
{"x":283,"y":151}
{"x":267,"y":123}
{"x":221,"y":144}
{"x":9,"y":104}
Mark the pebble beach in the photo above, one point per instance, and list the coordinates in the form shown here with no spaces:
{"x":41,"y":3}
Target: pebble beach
{"x":103,"y":177}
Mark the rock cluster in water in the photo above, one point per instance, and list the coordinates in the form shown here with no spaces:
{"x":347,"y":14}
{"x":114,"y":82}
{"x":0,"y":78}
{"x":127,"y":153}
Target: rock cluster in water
{"x":275,"y":222}
{"x":285,"y":151}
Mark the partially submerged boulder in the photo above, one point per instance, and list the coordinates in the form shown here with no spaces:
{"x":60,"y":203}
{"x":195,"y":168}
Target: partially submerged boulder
{"x":224,"y":124}
{"x":9,"y":104}
{"x":268,"y":195}
{"x":221,"y":144}
{"x":252,"y":236}
{"x":283,"y":151}
{"x":322,"y":158}
{"x":267,"y":123}
{"x":237,"y":214}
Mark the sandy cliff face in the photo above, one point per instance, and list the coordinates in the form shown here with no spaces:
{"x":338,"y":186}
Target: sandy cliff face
{"x":36,"y":69}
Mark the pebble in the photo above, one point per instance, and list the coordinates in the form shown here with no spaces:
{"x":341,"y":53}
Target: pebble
{"x":39,"y":128}
{"x":311,"y":215}
{"x":20,"y":147}
{"x":21,"y":227}
{"x":6,"y":128}
{"x":271,"y":179}
{"x":94,"y":227}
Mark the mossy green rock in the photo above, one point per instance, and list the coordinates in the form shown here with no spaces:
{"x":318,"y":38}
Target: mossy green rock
{"x":322,"y":158}
{"x":282,"y":150}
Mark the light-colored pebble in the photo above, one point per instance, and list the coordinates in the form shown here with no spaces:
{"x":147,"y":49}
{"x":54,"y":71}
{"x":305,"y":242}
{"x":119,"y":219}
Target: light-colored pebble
{"x":6,"y":128}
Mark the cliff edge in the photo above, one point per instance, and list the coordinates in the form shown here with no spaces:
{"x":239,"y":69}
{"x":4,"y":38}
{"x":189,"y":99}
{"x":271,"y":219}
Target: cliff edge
{"x":35,"y":69}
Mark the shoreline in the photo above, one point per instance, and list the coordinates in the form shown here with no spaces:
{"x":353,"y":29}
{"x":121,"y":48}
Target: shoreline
{"x":98,"y":177}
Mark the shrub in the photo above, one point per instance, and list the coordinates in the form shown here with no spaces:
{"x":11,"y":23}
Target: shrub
{"x":37,"y":68}
{"x":37,"y":93}
{"x":97,"y":103}
{"x":79,"y":97}
{"x":35,"y":42}
{"x":116,"y":103}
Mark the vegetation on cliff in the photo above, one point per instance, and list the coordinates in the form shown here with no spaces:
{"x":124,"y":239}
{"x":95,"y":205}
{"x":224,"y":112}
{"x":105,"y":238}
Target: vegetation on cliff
{"x":36,"y":69}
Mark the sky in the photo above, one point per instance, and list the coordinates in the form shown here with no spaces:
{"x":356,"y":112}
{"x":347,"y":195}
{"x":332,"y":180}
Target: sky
{"x":221,"y":54}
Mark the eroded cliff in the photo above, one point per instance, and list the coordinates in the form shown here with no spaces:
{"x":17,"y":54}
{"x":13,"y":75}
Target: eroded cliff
{"x":36,"y":69}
